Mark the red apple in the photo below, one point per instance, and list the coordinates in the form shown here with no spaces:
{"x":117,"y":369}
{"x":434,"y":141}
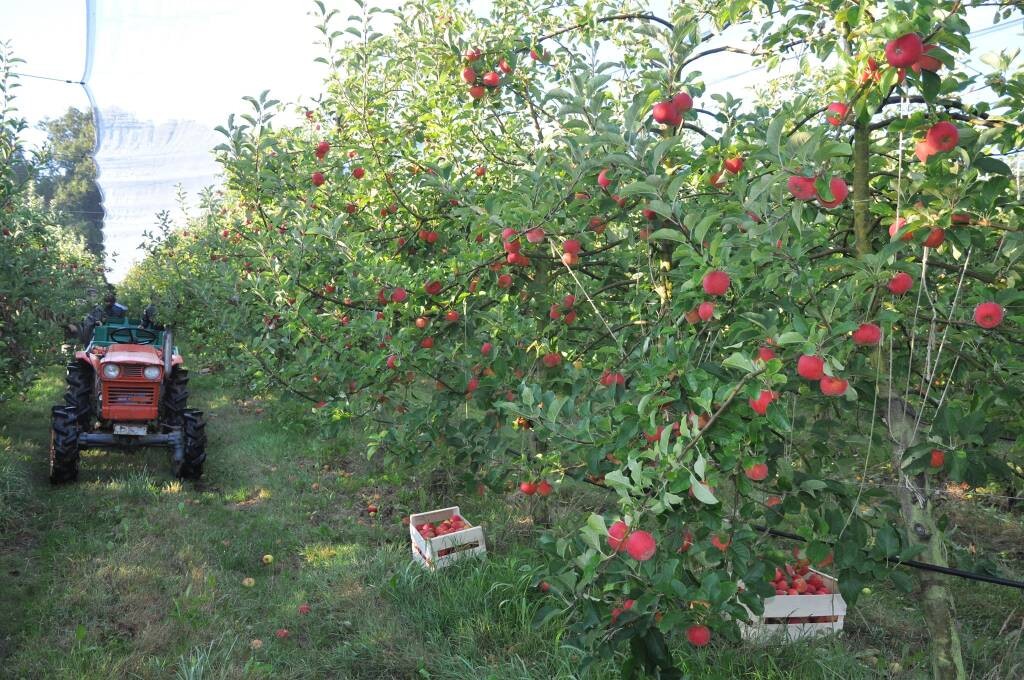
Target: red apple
{"x":935,"y":238}
{"x":469,"y":75}
{"x":544,"y":488}
{"x":640,"y":546}
{"x":602,"y":179}
{"x":485,"y":348}
{"x":706,"y":310}
{"x":477,"y":91}
{"x":832,"y":386}
{"x":765,"y":353}
{"x":491,"y":79}
{"x":432,"y":287}
{"x":504,"y":281}
{"x":760,"y":405}
{"x":716,"y":282}
{"x":682,"y":102}
{"x":528,"y":488}
{"x":867,"y":334}
{"x":551,"y":359}
{"x":942,"y":136}
{"x":322,"y":148}
{"x":504,"y":65}
{"x":617,"y":535}
{"x":318,"y":178}
{"x":802,"y":188}
{"x":399,"y":295}
{"x":535,"y":235}
{"x":720,"y":543}
{"x":757,"y":472}
{"x":937,"y":459}
{"x":895,"y":228}
{"x":904,"y":51}
{"x":988,"y":315}
{"x":836,"y":113}
{"x":698,"y":636}
{"x":837,"y":185}
{"x":733,"y":165}
{"x":900,"y":283}
{"x":810,"y":367}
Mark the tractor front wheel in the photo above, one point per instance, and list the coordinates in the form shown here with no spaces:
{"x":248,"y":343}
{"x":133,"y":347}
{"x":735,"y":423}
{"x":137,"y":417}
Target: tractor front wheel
{"x":193,"y":428}
{"x":79,"y":393}
{"x":64,"y":433}
{"x":175,"y":397}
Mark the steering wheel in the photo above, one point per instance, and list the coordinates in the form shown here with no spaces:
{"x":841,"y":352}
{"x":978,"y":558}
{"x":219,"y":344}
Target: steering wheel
{"x":133,"y":336}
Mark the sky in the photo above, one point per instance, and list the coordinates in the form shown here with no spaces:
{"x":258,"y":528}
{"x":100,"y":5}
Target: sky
{"x":165,"y":72}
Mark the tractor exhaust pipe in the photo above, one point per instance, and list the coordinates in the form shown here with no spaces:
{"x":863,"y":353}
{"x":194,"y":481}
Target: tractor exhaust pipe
{"x":168,"y":350}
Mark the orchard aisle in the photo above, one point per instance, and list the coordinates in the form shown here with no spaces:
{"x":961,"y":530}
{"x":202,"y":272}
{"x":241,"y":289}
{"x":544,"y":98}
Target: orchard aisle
{"x":128,"y":574}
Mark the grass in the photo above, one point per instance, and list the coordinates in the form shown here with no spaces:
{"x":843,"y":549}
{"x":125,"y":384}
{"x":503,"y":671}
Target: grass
{"x":130,"y":574}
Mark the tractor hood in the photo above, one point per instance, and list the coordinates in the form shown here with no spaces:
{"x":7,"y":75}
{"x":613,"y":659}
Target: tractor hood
{"x":133,"y":354}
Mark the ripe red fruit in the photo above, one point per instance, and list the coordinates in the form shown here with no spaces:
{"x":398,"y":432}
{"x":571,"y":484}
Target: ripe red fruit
{"x":904,"y":51}
{"x":765,"y":353}
{"x":664,"y":112}
{"x":568,"y":259}
{"x":720,"y":543}
{"x":473,"y":383}
{"x":432,"y":287}
{"x":706,"y":310}
{"x":543,"y":586}
{"x":491,"y":79}
{"x":832,"y":386}
{"x":571,"y":246}
{"x":836,"y":113}
{"x":810,"y":367}
{"x":358,"y":172}
{"x":641,"y":546}
{"x":935,"y":238}
{"x":551,"y":359}
{"x":318,"y":178}
{"x":760,"y":405}
{"x":602,"y":179}
{"x":867,"y":334}
{"x":504,"y":65}
{"x":757,"y":472}
{"x":399,"y":295}
{"x":544,"y":488}
{"x":943,"y":136}
{"x":452,"y":316}
{"x":937,"y":459}
{"x":733,"y":165}
{"x":427,"y":343}
{"x":570,"y":316}
{"x":617,"y":535}
{"x":529,"y":488}
{"x":535,"y":235}
{"x":649,"y":214}
{"x":469,"y":75}
{"x":988,"y":315}
{"x":480,"y":171}
{"x":926,"y":63}
{"x":473,"y":54}
{"x":900,"y":283}
{"x":421,"y":322}
{"x":716,"y":282}
{"x":609,"y":378}
{"x":687,"y":541}
{"x":485,"y":349}
{"x":895,"y":228}
{"x":304,"y":608}
{"x":698,"y":636}
{"x":682,"y":102}
{"x":837,"y":185}
{"x":281,"y":633}
{"x":322,"y":148}
{"x":351,"y":208}
{"x":329,"y":288}
{"x":504,"y":281}
{"x":716,"y":180}
{"x":802,"y":188}
{"x":477,"y":91}
{"x":924,"y":150}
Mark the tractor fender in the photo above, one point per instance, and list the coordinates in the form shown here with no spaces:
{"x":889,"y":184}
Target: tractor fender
{"x":90,"y":359}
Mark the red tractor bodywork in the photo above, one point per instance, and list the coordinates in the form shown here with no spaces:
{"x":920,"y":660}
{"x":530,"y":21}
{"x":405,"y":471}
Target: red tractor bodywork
{"x":130,"y":397}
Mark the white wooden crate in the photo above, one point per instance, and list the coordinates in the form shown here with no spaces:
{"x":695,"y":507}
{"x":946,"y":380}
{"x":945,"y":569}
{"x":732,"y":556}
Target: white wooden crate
{"x":427,"y":551}
{"x":801,"y":608}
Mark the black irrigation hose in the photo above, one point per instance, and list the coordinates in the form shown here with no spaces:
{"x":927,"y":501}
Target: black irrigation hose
{"x":923,"y":566}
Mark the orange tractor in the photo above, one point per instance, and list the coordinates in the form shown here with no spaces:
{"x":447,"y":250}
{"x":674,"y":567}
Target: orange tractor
{"x":127,"y":388}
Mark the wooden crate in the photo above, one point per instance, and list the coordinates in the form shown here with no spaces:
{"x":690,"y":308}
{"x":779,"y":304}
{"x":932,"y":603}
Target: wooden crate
{"x":455,"y":546}
{"x":789,"y":616}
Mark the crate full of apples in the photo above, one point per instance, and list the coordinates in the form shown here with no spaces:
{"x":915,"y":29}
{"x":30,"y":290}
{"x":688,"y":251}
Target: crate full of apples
{"x":807,"y":602}
{"x":442,"y":537}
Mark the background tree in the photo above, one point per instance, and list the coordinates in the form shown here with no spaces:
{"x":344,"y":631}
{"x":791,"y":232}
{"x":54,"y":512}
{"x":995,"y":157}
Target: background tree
{"x":66,"y":178}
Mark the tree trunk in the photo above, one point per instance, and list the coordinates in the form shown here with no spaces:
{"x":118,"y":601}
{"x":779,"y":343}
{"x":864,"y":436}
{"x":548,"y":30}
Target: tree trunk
{"x":915,"y":507}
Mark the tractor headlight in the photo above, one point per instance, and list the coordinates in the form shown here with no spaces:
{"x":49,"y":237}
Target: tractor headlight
{"x":111,"y":371}
{"x":151,"y":372}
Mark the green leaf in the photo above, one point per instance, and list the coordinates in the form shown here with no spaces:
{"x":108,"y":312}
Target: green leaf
{"x":740,"y":361}
{"x":888,"y":540}
{"x":667,"y":234}
{"x":993,"y":165}
{"x":774,"y":136}
{"x":700,"y":492}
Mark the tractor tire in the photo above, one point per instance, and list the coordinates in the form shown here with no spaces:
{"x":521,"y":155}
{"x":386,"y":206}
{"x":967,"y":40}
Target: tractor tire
{"x":194,"y":430}
{"x":64,"y":432}
{"x":79,"y":394}
{"x":175,"y":397}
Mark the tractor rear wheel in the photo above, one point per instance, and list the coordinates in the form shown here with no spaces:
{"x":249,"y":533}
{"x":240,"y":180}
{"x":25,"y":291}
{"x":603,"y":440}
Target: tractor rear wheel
{"x":78,"y":396}
{"x":64,"y":433}
{"x":194,"y":430}
{"x":175,"y":397}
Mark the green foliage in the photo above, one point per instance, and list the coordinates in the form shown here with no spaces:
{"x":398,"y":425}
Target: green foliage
{"x":45,"y":270}
{"x":300,"y":283}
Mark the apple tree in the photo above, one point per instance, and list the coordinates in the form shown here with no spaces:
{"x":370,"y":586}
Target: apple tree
{"x":535,"y":246}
